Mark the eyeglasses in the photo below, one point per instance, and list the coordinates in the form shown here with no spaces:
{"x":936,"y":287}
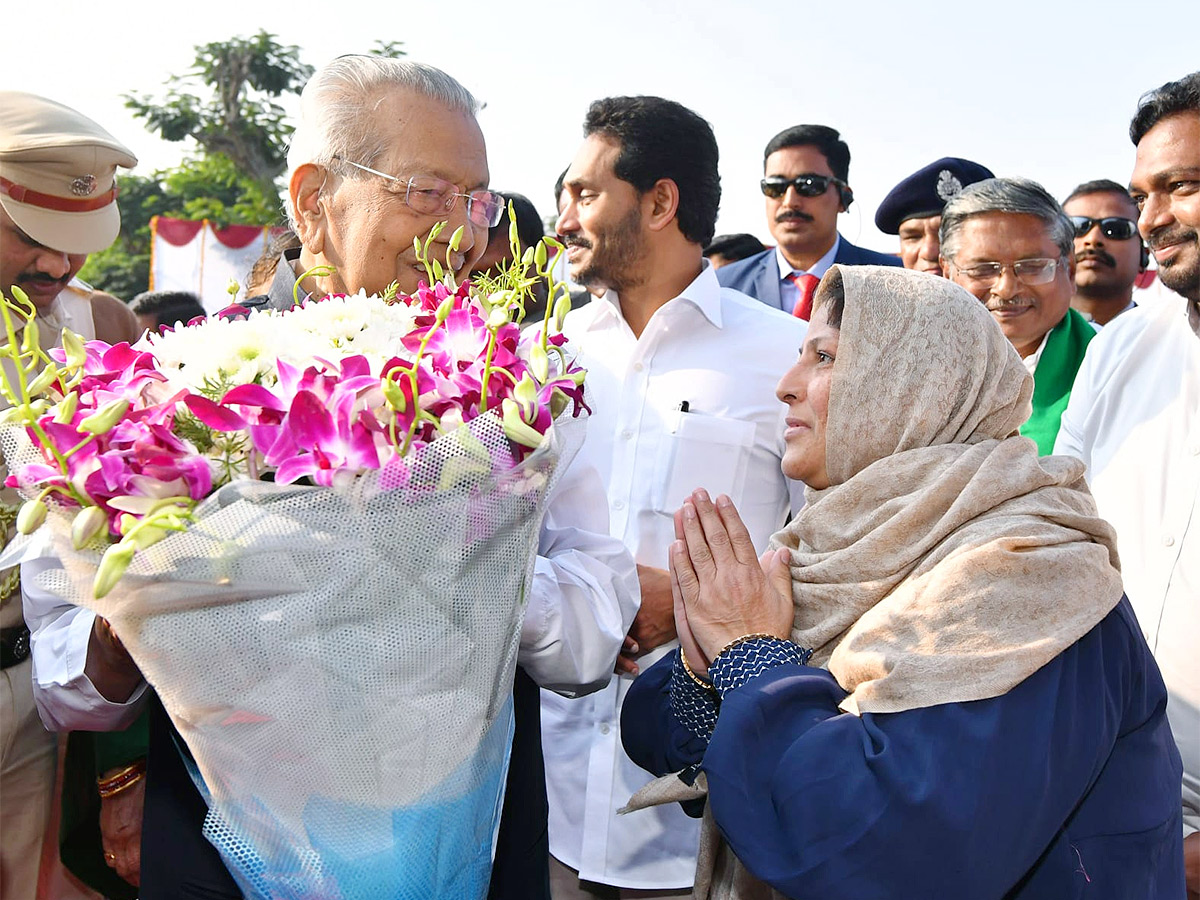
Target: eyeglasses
{"x":431,"y":196}
{"x":775,"y":186}
{"x":1115,"y":227}
{"x":1027,"y":271}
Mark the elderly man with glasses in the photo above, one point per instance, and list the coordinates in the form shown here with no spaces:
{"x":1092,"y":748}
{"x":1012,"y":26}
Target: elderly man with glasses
{"x":384,"y":151}
{"x":805,"y":172}
{"x":1109,"y":254}
{"x":366,"y":179}
{"x":1008,"y":242}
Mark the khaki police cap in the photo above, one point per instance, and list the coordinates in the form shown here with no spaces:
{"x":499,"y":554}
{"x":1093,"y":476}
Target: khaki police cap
{"x":58,"y":174}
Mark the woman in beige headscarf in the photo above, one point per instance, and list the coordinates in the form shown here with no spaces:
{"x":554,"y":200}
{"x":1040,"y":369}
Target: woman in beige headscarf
{"x":931,"y":686}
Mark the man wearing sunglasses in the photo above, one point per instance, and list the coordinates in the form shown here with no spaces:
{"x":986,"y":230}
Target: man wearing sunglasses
{"x":1109,"y":254}
{"x":805,"y":172}
{"x":1008,"y":242}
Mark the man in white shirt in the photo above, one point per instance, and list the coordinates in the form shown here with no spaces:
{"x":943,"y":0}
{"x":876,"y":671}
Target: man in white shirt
{"x":1134,"y":418}
{"x":681,"y":378}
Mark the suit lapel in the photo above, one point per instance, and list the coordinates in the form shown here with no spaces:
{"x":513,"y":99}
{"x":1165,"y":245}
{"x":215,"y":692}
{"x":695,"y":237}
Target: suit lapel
{"x":766,"y":286}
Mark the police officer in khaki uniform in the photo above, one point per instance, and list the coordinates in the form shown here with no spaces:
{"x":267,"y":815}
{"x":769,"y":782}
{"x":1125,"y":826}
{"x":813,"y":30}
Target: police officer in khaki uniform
{"x":57,"y":204}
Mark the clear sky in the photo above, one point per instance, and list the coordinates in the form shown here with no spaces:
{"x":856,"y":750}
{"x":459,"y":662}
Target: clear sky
{"x":1042,"y":89}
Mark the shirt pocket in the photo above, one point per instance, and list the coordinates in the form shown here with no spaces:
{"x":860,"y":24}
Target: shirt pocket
{"x":701,"y":451}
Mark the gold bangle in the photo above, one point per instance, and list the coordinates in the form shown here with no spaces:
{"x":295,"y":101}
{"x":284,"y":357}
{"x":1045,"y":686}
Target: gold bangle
{"x":703,"y":682}
{"x":122,"y":780}
{"x":129,"y":782}
{"x":745,"y":637}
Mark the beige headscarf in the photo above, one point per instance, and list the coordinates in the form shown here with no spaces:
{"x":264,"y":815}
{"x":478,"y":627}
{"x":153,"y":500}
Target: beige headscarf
{"x":946,"y":562}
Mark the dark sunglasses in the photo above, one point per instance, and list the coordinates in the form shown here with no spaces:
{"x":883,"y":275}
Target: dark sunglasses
{"x":776,"y":186}
{"x":1114,"y":227}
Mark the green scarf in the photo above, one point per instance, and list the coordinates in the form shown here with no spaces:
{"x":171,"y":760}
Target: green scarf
{"x":1054,"y":376}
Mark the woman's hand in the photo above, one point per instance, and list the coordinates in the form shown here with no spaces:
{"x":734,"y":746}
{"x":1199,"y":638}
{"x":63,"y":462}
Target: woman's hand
{"x":722,"y":590}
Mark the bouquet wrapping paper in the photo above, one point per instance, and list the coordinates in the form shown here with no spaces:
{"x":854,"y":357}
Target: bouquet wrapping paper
{"x":339,"y":661}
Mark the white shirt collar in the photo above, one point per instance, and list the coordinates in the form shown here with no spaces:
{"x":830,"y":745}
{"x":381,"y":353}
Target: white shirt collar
{"x":819,"y":268}
{"x":1031,"y":361}
{"x":704,"y":293}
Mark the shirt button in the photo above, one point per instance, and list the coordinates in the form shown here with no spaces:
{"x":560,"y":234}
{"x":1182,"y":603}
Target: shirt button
{"x":1168,"y":541}
{"x":604,"y":728}
{"x":1194,"y":449}
{"x":637,"y":367}
{"x":626,"y":434}
{"x":618,"y":504}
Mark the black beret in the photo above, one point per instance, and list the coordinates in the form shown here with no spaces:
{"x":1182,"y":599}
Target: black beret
{"x":926,"y":191}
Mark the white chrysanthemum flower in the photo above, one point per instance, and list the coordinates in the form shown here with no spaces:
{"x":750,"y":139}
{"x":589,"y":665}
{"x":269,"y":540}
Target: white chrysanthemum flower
{"x":245,"y":350}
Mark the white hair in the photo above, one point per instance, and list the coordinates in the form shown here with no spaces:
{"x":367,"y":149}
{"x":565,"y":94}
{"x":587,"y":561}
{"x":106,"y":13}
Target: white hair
{"x":338,"y":104}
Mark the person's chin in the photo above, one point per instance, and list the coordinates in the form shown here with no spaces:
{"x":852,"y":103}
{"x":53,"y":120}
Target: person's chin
{"x":1182,"y":279}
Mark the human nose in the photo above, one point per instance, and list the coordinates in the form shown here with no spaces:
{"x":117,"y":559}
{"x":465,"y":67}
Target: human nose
{"x":1156,"y":212}
{"x":1092,"y":236}
{"x":791,"y":385}
{"x":791,"y":196}
{"x":1007,"y":284}
{"x":568,"y":218}
{"x":930,"y":247}
{"x":54,"y":263}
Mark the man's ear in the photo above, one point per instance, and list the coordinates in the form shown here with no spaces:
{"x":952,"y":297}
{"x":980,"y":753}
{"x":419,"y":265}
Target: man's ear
{"x":307,"y":191}
{"x":663,"y":199}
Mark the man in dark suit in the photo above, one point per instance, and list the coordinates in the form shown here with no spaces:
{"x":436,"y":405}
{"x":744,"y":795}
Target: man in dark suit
{"x":805,"y":172}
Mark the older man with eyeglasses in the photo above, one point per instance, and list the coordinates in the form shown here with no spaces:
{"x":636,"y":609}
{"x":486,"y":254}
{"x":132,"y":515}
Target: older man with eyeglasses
{"x":1008,"y":242}
{"x":365,"y":179}
{"x":385,"y":150}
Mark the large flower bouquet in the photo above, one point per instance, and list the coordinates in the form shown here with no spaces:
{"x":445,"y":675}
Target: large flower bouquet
{"x":313,"y":530}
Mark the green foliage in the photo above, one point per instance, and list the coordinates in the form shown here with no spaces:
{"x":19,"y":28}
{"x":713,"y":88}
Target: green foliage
{"x":390,"y":49}
{"x":206,"y":188}
{"x":226,"y":102}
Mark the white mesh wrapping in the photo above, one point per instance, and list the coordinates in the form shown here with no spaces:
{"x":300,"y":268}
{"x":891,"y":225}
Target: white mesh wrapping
{"x":340,"y":664}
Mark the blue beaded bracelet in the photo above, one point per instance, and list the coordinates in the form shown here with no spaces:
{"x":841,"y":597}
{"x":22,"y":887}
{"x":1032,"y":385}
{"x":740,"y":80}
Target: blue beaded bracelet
{"x":746,"y":659}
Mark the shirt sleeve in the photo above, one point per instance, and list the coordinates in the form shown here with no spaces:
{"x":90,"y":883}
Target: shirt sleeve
{"x":654,"y":730}
{"x":1070,"y":439}
{"x":817,"y":802}
{"x":585,"y":590}
{"x":59,"y":635}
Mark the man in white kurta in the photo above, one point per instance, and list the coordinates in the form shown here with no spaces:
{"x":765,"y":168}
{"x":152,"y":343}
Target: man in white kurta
{"x":681,"y":382}
{"x":1134,"y":418}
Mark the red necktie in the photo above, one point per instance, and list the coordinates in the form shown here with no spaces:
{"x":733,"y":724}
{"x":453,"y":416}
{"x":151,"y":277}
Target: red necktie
{"x":806,"y":285}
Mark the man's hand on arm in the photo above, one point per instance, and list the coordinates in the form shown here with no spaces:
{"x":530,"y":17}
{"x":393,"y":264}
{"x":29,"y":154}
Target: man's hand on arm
{"x":109,"y":666}
{"x":654,"y":624}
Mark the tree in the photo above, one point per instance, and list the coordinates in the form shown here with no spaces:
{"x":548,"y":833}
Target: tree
{"x":226,"y":104}
{"x":209,"y":187}
{"x":239,"y":118}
